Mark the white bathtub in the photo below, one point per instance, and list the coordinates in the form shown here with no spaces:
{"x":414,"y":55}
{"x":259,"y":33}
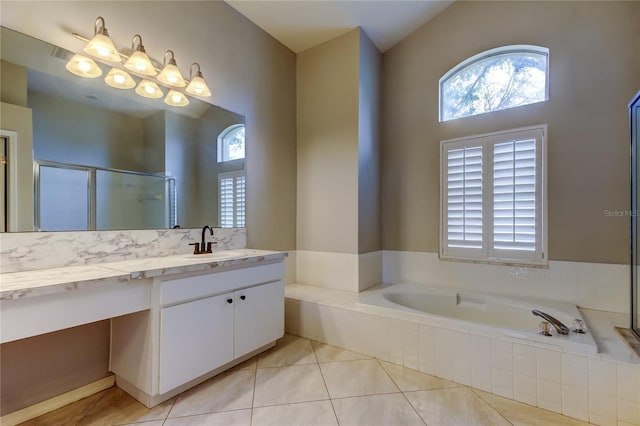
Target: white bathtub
{"x":482,"y":313}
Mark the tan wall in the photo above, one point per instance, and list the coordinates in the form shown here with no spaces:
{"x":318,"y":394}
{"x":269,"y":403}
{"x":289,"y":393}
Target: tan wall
{"x":13,"y":84}
{"x":369,"y":217}
{"x":327,"y":118}
{"x":42,"y":367}
{"x":594,"y":72}
{"x":249,"y":73}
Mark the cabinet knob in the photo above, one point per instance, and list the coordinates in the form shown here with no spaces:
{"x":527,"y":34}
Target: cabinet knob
{"x":229,"y":301}
{"x":243,"y":297}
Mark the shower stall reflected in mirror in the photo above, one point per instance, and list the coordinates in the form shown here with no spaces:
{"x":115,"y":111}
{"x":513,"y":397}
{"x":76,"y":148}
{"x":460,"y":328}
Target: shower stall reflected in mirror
{"x":634,"y":120}
{"x":76,"y":198}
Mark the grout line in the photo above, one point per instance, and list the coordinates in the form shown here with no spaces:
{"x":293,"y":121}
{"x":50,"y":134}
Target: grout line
{"x":255,"y":381}
{"x":491,"y":406}
{"x":290,"y":403}
{"x":401,"y":391}
{"x":325,"y":384}
{"x":186,"y":416}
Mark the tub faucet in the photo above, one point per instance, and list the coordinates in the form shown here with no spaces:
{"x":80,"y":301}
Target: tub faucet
{"x":559,"y":326}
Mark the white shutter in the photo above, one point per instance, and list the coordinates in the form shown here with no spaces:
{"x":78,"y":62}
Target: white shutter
{"x":514,"y":195}
{"x":240,"y":201}
{"x":226,"y":200}
{"x":231,"y":205}
{"x":464,"y":197}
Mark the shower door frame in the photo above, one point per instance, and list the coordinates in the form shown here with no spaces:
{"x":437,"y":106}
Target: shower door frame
{"x":634,"y":127}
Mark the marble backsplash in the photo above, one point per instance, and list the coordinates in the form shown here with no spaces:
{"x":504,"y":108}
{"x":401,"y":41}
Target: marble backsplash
{"x":42,"y":250}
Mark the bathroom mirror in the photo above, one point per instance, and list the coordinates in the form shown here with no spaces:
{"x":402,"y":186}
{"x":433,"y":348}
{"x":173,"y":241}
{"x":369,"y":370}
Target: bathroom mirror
{"x":106,"y":158}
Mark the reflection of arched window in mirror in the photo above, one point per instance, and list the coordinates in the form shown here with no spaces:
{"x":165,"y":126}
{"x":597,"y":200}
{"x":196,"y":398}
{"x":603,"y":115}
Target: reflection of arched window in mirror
{"x":231,"y":143}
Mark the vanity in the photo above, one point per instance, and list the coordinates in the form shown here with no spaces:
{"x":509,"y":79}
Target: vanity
{"x":175,"y":320}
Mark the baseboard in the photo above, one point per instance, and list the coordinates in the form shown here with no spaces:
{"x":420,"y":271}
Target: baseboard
{"x":56,"y":402}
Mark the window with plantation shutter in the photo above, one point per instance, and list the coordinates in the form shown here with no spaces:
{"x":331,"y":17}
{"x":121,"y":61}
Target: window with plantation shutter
{"x":231,"y":205}
{"x":492,"y":197}
{"x":464,"y":197}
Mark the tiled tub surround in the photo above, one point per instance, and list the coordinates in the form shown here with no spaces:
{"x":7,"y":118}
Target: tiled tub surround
{"x":599,"y":286}
{"x":25,"y":251}
{"x":603,"y":388}
{"x":484,"y":313}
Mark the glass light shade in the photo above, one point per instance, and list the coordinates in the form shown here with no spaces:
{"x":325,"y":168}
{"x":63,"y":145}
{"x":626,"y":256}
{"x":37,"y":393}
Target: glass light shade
{"x":119,"y":79}
{"x":83,"y":67}
{"x":149,"y":89}
{"x":175,"y":98}
{"x":140,"y":63}
{"x":102,"y":47}
{"x":171,"y":76}
{"x":197,"y":86}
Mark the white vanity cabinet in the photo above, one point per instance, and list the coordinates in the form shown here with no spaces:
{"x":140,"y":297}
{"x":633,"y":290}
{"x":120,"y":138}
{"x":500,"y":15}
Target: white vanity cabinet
{"x":195,"y":338}
{"x":255,"y":323}
{"x":198,"y":326}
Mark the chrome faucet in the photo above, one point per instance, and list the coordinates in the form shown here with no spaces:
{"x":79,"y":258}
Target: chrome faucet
{"x":558,"y":325}
{"x":199,"y":248}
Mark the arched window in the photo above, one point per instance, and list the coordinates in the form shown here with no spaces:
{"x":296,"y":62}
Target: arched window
{"x":493,"y":80}
{"x":231,"y":143}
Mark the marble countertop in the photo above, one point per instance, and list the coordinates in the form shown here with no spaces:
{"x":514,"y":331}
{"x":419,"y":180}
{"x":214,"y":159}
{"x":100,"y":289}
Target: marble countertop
{"x":16,"y":285}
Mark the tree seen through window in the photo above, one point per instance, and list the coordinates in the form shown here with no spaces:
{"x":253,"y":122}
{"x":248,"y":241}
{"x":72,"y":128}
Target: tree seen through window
{"x":494,"y":80}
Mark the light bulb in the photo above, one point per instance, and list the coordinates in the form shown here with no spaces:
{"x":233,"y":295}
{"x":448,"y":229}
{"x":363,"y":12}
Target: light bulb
{"x":175,"y":98}
{"x":149,"y":89}
{"x":84,"y":66}
{"x":119,"y":79}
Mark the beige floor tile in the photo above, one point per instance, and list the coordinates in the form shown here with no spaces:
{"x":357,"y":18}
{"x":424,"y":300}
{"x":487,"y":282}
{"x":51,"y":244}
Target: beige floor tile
{"x":455,"y":407}
{"x":69,"y":414}
{"x":151,"y":423}
{"x":228,"y":391}
{"x":116,"y":407}
{"x":227,"y":418}
{"x":290,"y":350}
{"x":328,"y":353}
{"x":284,"y":385}
{"x":412,"y":380}
{"x":318,"y":413}
{"x":356,"y":378}
{"x":383,"y":410}
{"x":250,"y":364}
{"x":523,"y":414}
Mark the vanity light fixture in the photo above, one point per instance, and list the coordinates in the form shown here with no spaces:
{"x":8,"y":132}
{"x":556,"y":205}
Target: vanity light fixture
{"x":101,"y":45}
{"x":84,"y":67}
{"x":197,"y":86}
{"x":170,"y":74}
{"x":149,"y":89}
{"x":175,"y":98}
{"x":139,"y":62}
{"x":119,"y":79}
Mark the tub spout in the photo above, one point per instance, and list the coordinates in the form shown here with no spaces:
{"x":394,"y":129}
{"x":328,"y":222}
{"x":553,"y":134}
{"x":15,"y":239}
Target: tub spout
{"x":559,"y":326}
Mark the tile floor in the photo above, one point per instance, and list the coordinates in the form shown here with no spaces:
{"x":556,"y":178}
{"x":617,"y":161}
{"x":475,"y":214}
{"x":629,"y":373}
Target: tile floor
{"x":304,"y":382}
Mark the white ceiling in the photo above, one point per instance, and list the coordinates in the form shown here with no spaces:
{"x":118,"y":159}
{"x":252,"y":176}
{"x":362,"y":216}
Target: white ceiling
{"x":302,"y":24}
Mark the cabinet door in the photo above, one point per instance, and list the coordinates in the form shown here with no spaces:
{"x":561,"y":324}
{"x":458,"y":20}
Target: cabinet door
{"x":259,"y":316}
{"x":195,"y":338}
